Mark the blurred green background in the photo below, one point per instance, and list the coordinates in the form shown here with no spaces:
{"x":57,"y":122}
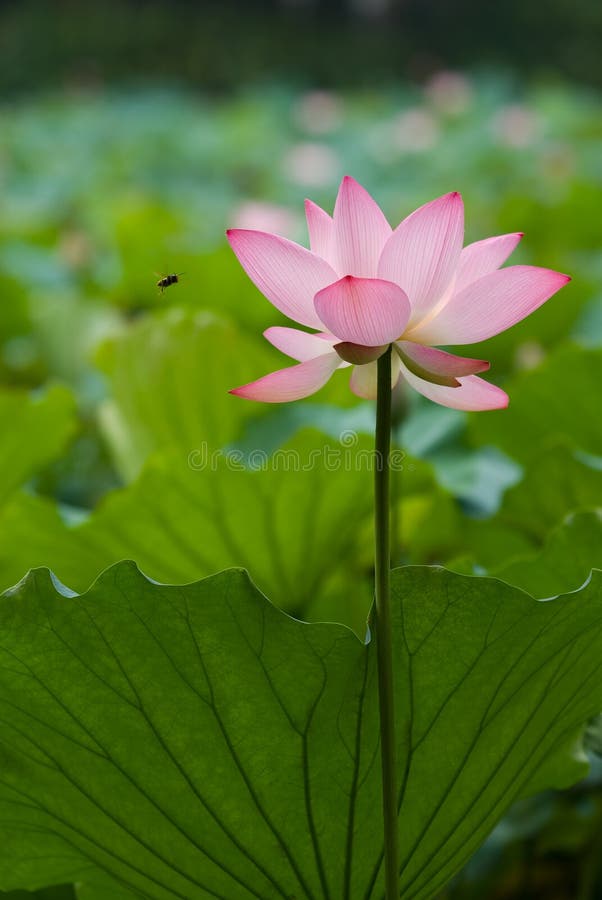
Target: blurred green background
{"x":131,"y":136}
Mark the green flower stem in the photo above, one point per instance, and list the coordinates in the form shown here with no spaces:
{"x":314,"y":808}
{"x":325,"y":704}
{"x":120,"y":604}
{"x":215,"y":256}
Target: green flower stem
{"x":382,"y":623}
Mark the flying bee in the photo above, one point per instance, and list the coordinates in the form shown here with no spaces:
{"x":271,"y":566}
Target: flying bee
{"x":166,"y":281}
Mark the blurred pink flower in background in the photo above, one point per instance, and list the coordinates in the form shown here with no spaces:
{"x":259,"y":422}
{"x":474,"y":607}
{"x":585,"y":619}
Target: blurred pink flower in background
{"x":319,"y":112}
{"x":515,"y":126}
{"x":559,"y":164}
{"x":529,"y":355}
{"x":266,"y":217}
{"x":415,"y":130}
{"x":311,"y":164}
{"x":450,"y":93}
{"x":364,"y":286}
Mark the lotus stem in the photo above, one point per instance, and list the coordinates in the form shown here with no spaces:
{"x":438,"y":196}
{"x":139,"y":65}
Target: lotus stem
{"x":382,"y":624}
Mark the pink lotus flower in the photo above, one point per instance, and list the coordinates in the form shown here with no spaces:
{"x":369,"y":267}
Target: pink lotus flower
{"x":364,"y":286}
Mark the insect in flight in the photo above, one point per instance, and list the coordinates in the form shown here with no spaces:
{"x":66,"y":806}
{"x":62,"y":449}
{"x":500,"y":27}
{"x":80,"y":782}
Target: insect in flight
{"x":166,"y":281}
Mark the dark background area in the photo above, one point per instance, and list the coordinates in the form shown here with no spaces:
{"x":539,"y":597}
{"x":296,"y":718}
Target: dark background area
{"x":219,"y":45}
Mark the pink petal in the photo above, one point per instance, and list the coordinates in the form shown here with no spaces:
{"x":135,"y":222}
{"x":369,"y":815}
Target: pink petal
{"x":321,"y":231}
{"x":360,"y":230}
{"x":482,"y":257}
{"x":438,"y":366}
{"x":422,"y":253}
{"x":364,"y":379}
{"x":299,"y":344}
{"x":292,"y":383}
{"x":365,"y":311}
{"x":473,"y":394}
{"x":490,"y":305}
{"x":286,"y":273}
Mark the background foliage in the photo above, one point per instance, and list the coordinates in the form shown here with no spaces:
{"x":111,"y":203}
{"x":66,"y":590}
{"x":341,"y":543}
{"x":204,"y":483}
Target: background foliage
{"x":119,"y":158}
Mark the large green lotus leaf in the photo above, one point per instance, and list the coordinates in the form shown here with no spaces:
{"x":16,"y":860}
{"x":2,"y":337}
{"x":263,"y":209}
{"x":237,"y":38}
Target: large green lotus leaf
{"x":183,"y":519}
{"x":558,"y":400}
{"x":193,"y":741}
{"x":35,"y":429}
{"x":565,"y":561}
{"x":58,"y":892}
{"x":169,"y":376}
{"x":103,"y":890}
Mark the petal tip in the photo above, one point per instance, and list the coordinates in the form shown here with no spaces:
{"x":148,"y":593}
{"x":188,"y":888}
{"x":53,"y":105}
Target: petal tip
{"x":454,"y":197}
{"x":454,"y":202}
{"x":502,"y":400}
{"x":244,"y":392}
{"x":560,"y":277}
{"x":232,"y":235}
{"x":498,"y":400}
{"x":348,"y":182}
{"x":240,"y":232}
